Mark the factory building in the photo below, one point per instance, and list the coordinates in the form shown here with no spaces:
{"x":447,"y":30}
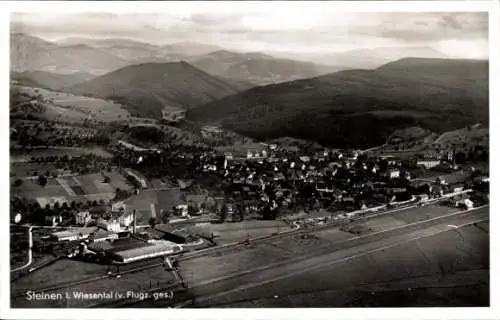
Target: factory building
{"x":152,"y":250}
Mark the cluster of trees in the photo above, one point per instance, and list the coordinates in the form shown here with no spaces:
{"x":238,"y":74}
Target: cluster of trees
{"x":51,"y":133}
{"x":32,"y":212}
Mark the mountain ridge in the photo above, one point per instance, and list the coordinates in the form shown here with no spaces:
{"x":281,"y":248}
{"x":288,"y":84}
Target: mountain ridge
{"x":147,"y":88}
{"x":330,"y":109}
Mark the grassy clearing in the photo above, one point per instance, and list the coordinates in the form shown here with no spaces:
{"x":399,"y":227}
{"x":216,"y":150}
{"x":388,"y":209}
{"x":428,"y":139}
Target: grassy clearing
{"x":76,"y":108}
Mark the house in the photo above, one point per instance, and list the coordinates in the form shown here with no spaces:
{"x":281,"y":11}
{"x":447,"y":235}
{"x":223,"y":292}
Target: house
{"x":466,"y":203}
{"x":393,"y":173}
{"x":197,"y":201}
{"x":82,"y":218}
{"x":126,"y":218}
{"x":17,"y":218}
{"x":109,"y":225}
{"x":117,"y":206}
{"x":182,"y":209}
{"x":423,"y":197}
{"x":53,"y":220}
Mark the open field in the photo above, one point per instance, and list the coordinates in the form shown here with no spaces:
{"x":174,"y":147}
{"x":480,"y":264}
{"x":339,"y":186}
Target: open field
{"x":19,"y":243}
{"x":293,"y":245}
{"x":68,"y":188}
{"x":240,"y":231}
{"x":388,"y":261}
{"x":60,"y":272}
{"x":66,"y":106}
{"x":138,"y":282}
{"x":237,"y":260}
{"x":435,"y":268}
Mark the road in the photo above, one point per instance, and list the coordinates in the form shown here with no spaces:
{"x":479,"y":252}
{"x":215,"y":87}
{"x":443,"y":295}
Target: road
{"x":228,"y":284}
{"x":223,"y":283}
{"x":30,"y":251}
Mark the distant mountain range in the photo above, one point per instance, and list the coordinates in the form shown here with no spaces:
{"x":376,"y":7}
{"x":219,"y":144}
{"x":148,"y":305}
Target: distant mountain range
{"x":146,"y":89}
{"x":359,"y":108}
{"x":97,"y":56}
{"x":367,"y":58}
{"x":100,"y":56}
{"x":258,"y":68}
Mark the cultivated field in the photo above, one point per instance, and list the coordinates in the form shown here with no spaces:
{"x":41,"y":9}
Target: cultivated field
{"x":87,"y":187}
{"x":77,"y":108}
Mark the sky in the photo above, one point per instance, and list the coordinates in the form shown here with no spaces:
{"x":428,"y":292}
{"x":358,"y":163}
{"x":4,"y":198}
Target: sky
{"x":311,"y":30}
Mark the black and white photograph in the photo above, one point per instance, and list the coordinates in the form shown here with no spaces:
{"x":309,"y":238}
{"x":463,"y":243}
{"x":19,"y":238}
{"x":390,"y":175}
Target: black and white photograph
{"x":247,"y":155}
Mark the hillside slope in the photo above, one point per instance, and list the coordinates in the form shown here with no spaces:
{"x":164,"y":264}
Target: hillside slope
{"x":360,"y":108}
{"x":146,"y":88}
{"x":49,"y":80}
{"x":268,"y":71}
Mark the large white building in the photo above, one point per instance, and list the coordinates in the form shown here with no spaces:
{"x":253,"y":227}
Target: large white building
{"x":429,"y":163}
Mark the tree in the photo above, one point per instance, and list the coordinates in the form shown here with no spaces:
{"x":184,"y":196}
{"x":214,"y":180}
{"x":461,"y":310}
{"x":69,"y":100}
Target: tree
{"x":192,"y":210}
{"x":222,"y":213}
{"x":165,"y":215}
{"x":203,"y":206}
{"x":460,"y":157}
{"x":107,"y":179}
{"x":152,"y":222}
{"x":42,"y":180}
{"x":18,"y":182}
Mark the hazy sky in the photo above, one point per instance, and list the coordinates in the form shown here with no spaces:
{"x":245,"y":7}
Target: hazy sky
{"x":310,"y":30}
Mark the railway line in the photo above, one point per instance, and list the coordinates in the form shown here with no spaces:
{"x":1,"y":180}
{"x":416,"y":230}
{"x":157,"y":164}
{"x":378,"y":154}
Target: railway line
{"x":149,"y":264}
{"x":330,"y":254}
